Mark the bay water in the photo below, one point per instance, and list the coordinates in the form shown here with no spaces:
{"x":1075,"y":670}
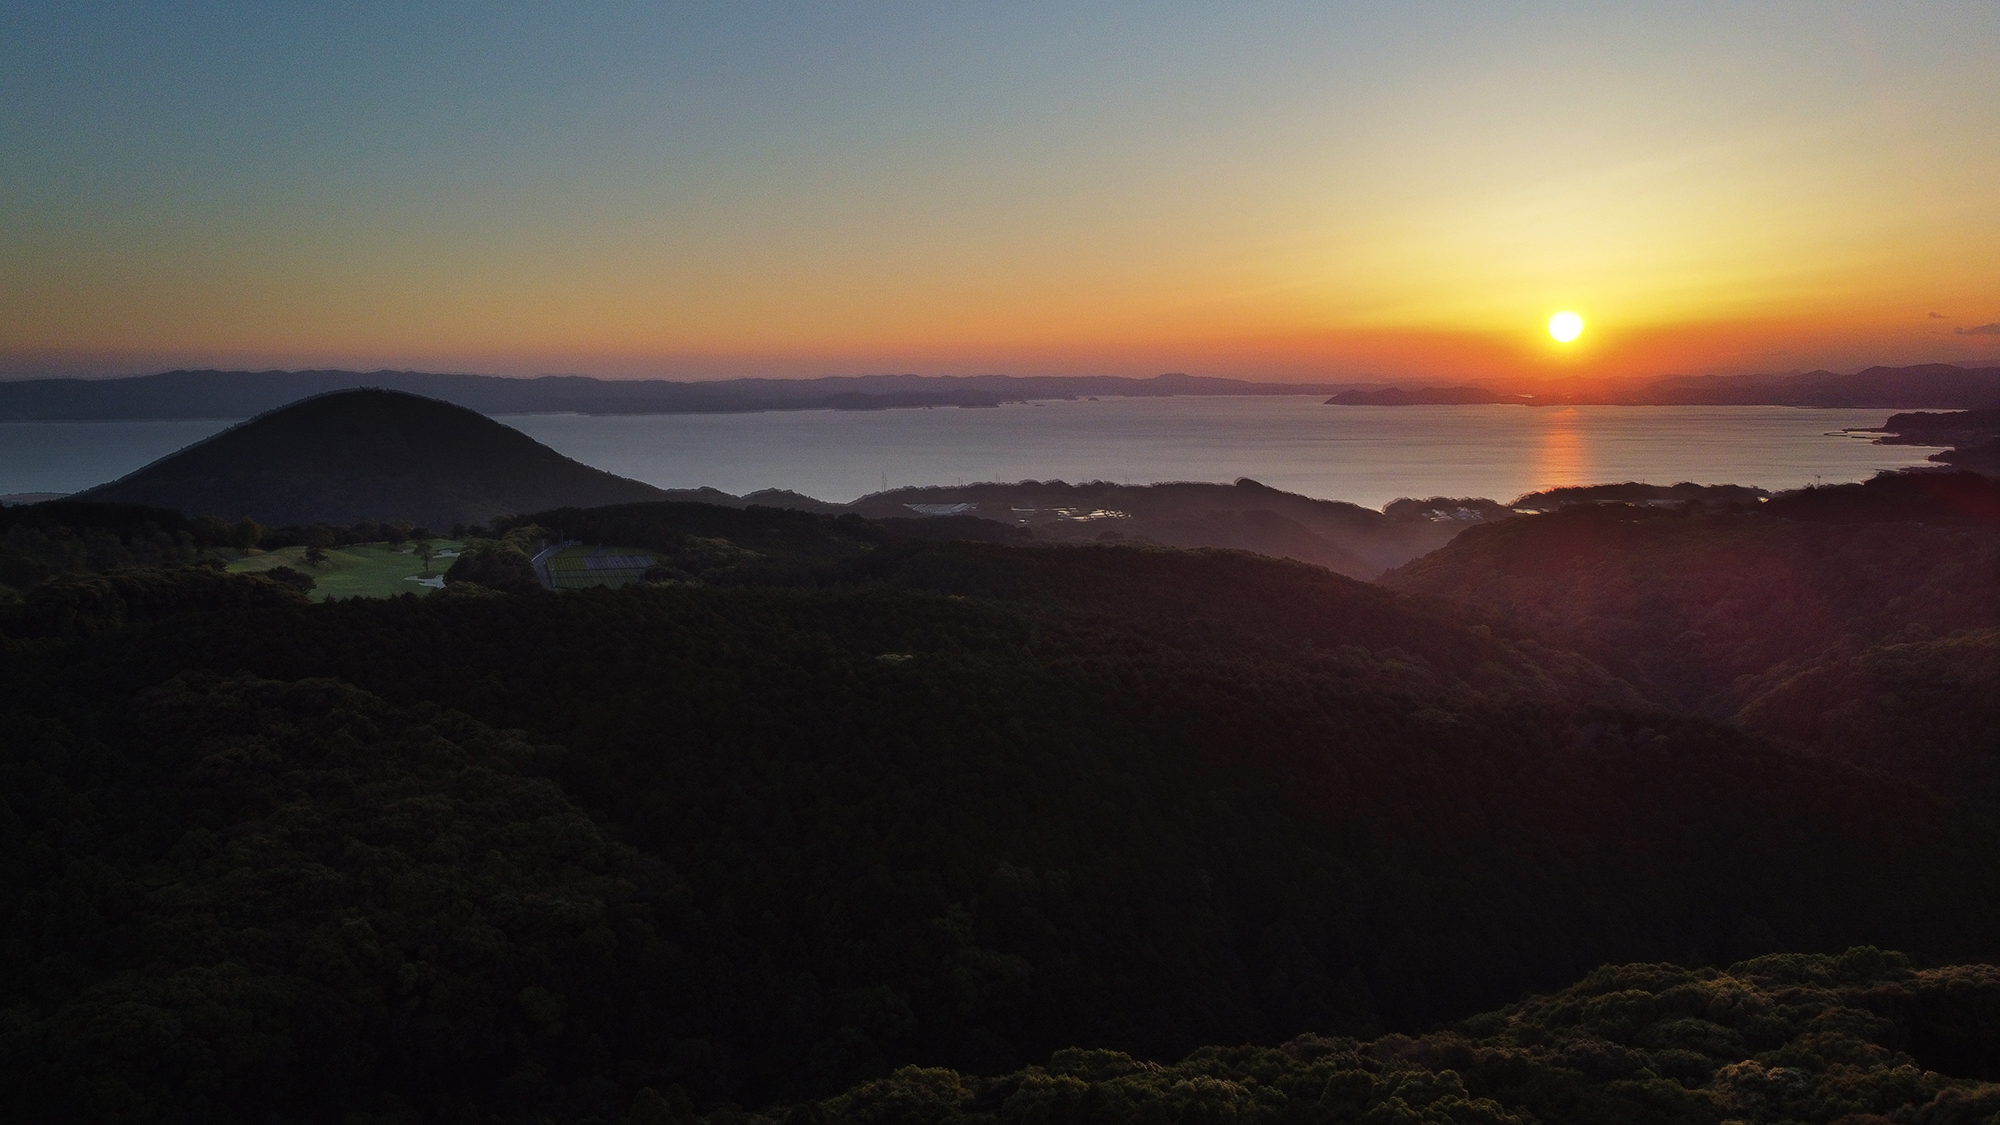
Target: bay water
{"x":1367,"y":455}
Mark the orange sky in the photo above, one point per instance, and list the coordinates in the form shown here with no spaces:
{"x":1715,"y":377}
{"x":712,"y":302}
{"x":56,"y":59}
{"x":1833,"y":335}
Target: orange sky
{"x":1319,"y":192}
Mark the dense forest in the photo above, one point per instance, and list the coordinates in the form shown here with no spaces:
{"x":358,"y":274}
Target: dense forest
{"x":846,"y":819}
{"x":1858,"y":1038}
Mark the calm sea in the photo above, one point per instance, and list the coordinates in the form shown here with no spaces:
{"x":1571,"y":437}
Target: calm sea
{"x":1369,"y":455}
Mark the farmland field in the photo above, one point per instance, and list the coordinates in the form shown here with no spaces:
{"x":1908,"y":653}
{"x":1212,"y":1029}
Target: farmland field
{"x":370,"y":570}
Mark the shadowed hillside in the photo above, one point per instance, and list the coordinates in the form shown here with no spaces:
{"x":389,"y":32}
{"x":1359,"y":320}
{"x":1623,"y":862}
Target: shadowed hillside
{"x":1246,"y":516}
{"x":1356,"y":541}
{"x":358,"y":455}
{"x":1684,"y":603}
{"x":1213,"y":597}
{"x":1418,"y":644}
{"x":1927,"y":709}
{"x":1856,"y":620}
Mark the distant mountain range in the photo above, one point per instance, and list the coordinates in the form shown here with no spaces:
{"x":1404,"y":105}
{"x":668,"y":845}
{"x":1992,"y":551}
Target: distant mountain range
{"x":1931,"y":386}
{"x":239,"y":394}
{"x":370,"y":454}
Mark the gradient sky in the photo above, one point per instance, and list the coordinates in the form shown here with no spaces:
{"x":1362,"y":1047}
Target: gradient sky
{"x":1286,"y":191}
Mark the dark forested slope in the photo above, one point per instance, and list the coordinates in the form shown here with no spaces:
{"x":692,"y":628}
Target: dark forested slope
{"x":1686,"y":602}
{"x":40,"y":541}
{"x":1772,"y":611}
{"x":1247,"y":516}
{"x":1928,"y":709}
{"x":763,"y":843}
{"x":248,"y":901}
{"x":1249,"y":599}
{"x":349,"y":456}
{"x":1431,"y":643}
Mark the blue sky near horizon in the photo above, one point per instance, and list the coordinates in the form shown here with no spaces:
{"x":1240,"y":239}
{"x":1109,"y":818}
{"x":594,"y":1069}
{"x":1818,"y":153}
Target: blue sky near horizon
{"x":1273,"y":190}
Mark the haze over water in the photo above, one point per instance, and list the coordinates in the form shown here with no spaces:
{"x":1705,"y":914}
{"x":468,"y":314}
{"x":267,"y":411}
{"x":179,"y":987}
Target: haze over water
{"x":1366,"y":455}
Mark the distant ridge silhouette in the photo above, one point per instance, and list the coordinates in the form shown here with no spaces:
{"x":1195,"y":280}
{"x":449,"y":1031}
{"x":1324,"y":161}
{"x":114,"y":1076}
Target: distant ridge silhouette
{"x":238,"y":394}
{"x":385,"y":455}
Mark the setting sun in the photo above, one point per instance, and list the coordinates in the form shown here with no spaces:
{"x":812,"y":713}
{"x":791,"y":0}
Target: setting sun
{"x":1565,"y":326}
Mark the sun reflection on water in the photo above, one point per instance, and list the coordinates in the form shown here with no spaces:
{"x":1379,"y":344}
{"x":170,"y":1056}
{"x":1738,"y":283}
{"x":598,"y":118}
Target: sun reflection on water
{"x":1563,"y":457}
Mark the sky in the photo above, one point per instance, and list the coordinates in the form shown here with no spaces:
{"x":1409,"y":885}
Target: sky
{"x":1288,"y":191}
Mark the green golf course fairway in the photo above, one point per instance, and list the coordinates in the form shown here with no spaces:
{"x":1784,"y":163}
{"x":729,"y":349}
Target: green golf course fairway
{"x":372,"y":570}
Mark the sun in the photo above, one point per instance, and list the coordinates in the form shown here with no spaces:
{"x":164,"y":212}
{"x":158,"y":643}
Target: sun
{"x":1565,"y":326}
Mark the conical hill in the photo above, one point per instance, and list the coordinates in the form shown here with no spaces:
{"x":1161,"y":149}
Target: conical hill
{"x":343,"y":457}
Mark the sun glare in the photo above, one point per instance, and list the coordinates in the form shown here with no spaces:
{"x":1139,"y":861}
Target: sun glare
{"x":1565,"y":326}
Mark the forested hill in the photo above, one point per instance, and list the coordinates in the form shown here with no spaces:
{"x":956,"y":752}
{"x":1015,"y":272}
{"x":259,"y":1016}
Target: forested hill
{"x":376,"y":455}
{"x":1347,"y":538}
{"x":1214,"y":597}
{"x":1857,"y":619}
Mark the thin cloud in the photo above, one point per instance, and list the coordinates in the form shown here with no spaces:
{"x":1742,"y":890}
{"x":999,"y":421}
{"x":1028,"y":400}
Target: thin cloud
{"x":1982,"y":330}
{"x":1937,"y":316}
